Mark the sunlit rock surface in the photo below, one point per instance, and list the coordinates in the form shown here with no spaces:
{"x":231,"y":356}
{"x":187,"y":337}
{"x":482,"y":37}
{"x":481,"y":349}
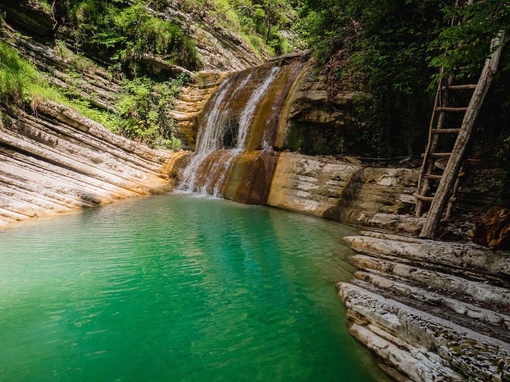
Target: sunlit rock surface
{"x":338,"y":190}
{"x":57,"y":161}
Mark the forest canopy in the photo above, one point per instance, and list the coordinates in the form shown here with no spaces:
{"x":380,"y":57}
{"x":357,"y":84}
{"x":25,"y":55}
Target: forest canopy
{"x":395,"y":48}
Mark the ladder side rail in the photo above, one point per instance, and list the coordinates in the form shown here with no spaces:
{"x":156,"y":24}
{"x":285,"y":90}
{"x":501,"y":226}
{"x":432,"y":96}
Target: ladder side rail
{"x":427,"y":166}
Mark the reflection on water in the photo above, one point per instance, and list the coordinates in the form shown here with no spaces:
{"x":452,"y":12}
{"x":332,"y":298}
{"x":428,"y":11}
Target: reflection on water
{"x":176,"y":288}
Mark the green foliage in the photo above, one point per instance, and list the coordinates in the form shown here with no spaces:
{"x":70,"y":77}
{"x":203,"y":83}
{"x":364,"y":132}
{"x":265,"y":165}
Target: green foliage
{"x":259,"y":22}
{"x":105,"y":118}
{"x":121,"y":31}
{"x":20,"y":83}
{"x":143,"y":111}
{"x":266,"y":18}
{"x":385,"y":44}
{"x":15,"y":75}
{"x":466,"y":43}
{"x":46,"y":5}
{"x":396,"y":47}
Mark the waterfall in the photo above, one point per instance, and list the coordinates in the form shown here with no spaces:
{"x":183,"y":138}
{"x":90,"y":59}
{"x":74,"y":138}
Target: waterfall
{"x":233,"y":140}
{"x":216,"y":125}
{"x":247,"y":114}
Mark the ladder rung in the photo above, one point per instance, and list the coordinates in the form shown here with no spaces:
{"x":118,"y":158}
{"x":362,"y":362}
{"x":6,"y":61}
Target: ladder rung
{"x":452,"y":109}
{"x":423,"y":198}
{"x":430,"y":198}
{"x":432,"y":176}
{"x":445,"y":131}
{"x":436,"y":176}
{"x":440,"y":155}
{"x":462,"y":87}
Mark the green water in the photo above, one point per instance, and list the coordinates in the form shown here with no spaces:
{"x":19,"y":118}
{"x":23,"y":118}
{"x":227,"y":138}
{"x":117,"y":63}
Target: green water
{"x":176,"y":288}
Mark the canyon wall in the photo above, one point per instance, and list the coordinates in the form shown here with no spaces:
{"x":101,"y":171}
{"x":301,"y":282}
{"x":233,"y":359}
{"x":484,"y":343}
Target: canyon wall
{"x":342,"y":191}
{"x":54,"y":159}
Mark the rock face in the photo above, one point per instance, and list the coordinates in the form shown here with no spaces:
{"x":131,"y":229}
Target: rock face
{"x":58,"y":161}
{"x":317,"y":122}
{"x":342,"y":191}
{"x":29,"y":16}
{"x":189,"y":107}
{"x":217,"y":47}
{"x":432,"y":311}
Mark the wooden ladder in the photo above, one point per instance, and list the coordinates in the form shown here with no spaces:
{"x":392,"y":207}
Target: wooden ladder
{"x":445,"y":125}
{"x":444,"y":155}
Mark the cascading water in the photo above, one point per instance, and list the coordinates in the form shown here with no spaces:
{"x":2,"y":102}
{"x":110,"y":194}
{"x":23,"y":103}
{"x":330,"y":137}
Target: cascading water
{"x":217,"y":128}
{"x":236,"y":137}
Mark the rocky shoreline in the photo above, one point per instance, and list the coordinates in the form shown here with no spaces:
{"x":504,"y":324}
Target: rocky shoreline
{"x":429,"y":310}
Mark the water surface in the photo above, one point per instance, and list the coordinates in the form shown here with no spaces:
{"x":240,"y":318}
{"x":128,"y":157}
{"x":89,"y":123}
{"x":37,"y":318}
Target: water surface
{"x":176,"y":288}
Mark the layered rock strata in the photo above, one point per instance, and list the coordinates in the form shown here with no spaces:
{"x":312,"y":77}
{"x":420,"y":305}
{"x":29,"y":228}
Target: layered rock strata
{"x":218,"y":48}
{"x":188,"y":108}
{"x":431,"y":311}
{"x":343,"y":191}
{"x":57,"y":161}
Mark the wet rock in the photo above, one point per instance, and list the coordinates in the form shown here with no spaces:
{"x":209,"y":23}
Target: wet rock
{"x":189,"y":106}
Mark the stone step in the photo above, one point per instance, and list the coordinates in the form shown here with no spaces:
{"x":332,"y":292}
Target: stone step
{"x":403,"y":361}
{"x":461,"y":257}
{"x":436,"y":281}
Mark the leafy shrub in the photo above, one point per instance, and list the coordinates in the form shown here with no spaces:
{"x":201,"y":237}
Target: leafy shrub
{"x":143,"y":111}
{"x":386,"y":45}
{"x":121,"y":30}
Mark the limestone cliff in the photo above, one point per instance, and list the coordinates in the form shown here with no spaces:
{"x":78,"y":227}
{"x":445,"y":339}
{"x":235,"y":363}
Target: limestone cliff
{"x":341,"y":191}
